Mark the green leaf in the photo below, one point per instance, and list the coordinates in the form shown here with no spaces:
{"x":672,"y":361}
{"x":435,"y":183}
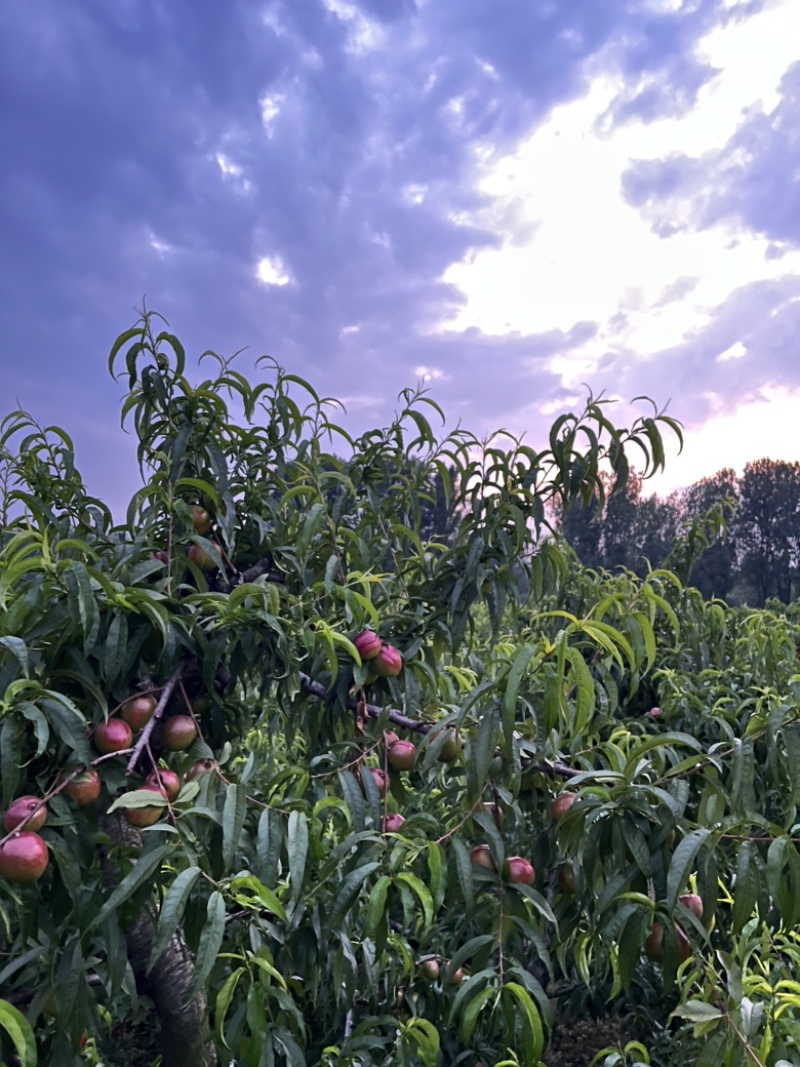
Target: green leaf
{"x":480,"y":753}
{"x":697,"y":1011}
{"x":19,"y":650}
{"x":463,"y":872}
{"x":210,"y":940}
{"x":376,"y":904}
{"x":265,"y":897}
{"x":19,"y":1031}
{"x":348,"y":890}
{"x":532,"y":1023}
{"x":297,"y":848}
{"x":223,"y":1002}
{"x":436,"y":870}
{"x":268,"y":846}
{"x":66,"y":721}
{"x":115,"y":648}
{"x":518,"y":668}
{"x":747,"y":886}
{"x":11,"y":739}
{"x":425,"y":1037}
{"x":422,"y":893}
{"x":172,"y":911}
{"x":354,"y":799}
{"x":233,"y":816}
{"x":471,"y":1012}
{"x":681,"y":865}
{"x":584,"y":689}
{"x":139,"y":798}
{"x":147,"y":864}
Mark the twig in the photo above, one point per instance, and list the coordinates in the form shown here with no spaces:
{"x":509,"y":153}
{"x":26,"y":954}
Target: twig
{"x":163,"y":700}
{"x":60,"y":785}
{"x":262,"y":567}
{"x":552,"y":770}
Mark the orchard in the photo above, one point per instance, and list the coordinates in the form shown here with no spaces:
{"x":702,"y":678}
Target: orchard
{"x":291,"y":777}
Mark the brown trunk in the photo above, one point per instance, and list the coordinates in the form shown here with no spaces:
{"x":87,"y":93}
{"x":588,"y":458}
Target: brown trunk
{"x":185,"y":1035}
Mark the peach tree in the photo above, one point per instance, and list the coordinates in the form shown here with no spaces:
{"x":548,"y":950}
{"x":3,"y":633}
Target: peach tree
{"x":285,"y":784}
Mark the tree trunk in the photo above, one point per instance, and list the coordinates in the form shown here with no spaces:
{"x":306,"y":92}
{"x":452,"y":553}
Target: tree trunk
{"x":185,"y":1035}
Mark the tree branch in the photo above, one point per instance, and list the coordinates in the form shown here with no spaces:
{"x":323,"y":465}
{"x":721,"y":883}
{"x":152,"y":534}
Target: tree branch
{"x":552,"y":770}
{"x":163,"y":700}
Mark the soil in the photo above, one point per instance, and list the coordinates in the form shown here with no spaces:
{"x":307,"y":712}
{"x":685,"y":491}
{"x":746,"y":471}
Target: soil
{"x":576,"y":1043}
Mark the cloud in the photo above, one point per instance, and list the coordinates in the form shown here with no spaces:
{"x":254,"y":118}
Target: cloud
{"x":752,"y":183}
{"x":203,"y":153}
{"x":734,"y":359}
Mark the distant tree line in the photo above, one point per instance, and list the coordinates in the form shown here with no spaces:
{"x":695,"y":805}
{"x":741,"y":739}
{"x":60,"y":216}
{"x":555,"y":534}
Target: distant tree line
{"x":745,"y":532}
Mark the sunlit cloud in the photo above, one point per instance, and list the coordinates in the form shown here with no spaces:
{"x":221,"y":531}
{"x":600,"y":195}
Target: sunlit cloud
{"x":271,"y":271}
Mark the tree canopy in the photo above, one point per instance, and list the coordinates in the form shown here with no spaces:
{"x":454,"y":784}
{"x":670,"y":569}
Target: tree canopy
{"x":321,"y":789}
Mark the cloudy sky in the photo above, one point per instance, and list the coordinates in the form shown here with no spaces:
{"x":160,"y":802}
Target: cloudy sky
{"x":508,"y":198}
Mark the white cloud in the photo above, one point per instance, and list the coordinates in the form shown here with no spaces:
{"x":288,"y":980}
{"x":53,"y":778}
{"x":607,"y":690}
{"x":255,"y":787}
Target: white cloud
{"x":592,"y":257}
{"x":590,"y":248}
{"x":735,"y":351}
{"x":161,"y":248}
{"x":430,"y":374}
{"x":271,"y":271}
{"x":271,"y":106}
{"x":232,"y":172}
{"x":364,"y":34}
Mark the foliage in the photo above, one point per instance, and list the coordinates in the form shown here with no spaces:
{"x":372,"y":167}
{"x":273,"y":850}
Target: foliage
{"x":306,"y":924}
{"x":738,"y":536}
{"x":632,"y":531}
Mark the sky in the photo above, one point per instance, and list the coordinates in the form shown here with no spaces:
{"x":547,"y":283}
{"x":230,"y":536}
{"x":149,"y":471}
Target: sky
{"x":510,"y":200}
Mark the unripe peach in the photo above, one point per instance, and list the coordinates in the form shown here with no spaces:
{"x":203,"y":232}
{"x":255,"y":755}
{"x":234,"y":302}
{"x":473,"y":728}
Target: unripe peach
{"x":566,"y":878}
{"x":200,"y":558}
{"x":561,"y":805}
{"x":391,"y":823}
{"x":167,"y":780}
{"x":654,"y":945}
{"x":451,"y":749}
{"x":402,"y":755}
{"x":138,"y":711}
{"x":694,"y":903}
{"x":141,"y":817}
{"x":429,"y":969}
{"x":495,"y":811}
{"x":201,"y":520}
{"x":481,"y":856}
{"x":380,"y":780}
{"x":199,"y":767}
{"x":178,"y":733}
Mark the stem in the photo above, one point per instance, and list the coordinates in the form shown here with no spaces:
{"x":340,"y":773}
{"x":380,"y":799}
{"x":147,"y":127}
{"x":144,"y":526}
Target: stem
{"x":163,"y":700}
{"x":552,"y":770}
{"x":58,"y":788}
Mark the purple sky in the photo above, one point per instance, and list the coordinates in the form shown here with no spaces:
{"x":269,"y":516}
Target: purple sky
{"x":507,"y":197}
